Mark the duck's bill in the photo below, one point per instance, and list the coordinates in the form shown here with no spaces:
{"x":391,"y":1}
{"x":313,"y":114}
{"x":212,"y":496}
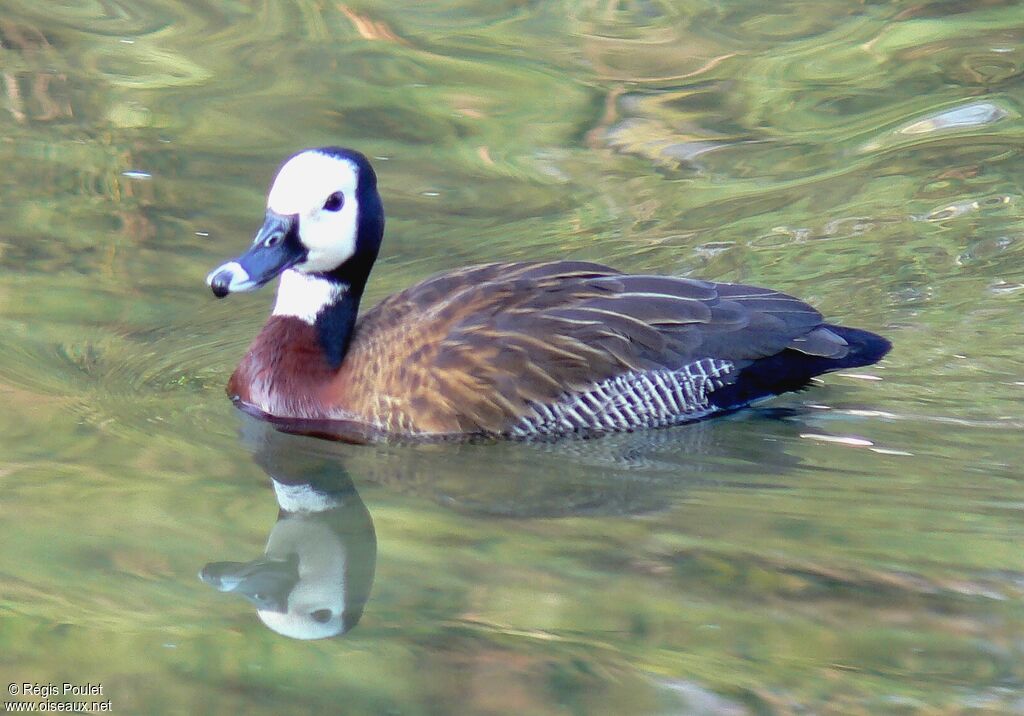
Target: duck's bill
{"x":276,"y":248}
{"x":266,"y":582}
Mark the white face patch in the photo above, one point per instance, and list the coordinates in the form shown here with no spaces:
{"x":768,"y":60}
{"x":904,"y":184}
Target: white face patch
{"x":301,"y":188}
{"x":304,"y":297}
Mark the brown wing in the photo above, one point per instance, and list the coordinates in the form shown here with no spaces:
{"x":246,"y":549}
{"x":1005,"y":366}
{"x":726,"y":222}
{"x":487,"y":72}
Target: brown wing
{"x":468,"y":351}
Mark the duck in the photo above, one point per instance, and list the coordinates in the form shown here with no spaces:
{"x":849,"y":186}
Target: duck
{"x":516,"y":350}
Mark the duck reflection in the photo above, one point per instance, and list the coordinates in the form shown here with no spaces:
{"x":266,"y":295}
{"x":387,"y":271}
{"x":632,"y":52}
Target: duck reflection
{"x":316,"y":572}
{"x":317,"y":569}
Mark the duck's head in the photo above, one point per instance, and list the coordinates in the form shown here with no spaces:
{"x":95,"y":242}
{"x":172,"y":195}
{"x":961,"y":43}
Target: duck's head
{"x":324,"y":219}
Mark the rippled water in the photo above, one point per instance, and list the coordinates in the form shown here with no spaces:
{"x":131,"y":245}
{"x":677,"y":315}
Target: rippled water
{"x":851,"y":549}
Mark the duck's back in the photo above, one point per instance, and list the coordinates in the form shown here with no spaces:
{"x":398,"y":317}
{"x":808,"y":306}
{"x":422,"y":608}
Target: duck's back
{"x":533,"y":349}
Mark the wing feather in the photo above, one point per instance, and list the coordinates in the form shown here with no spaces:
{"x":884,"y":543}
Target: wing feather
{"x":489,"y":341}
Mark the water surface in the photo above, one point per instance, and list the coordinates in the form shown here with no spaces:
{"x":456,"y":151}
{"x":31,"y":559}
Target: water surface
{"x":854,"y":548}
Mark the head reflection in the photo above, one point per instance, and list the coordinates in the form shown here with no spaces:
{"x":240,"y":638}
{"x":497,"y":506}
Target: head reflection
{"x":315,"y":574}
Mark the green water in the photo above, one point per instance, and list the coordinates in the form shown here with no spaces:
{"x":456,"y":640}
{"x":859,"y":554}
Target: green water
{"x":851,"y":549}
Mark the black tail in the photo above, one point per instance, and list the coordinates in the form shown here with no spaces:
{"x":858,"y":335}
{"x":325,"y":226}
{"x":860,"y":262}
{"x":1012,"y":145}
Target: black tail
{"x":865,"y":348}
{"x":791,"y":370}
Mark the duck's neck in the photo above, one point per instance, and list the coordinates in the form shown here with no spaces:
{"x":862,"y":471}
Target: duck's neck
{"x":328,"y":302}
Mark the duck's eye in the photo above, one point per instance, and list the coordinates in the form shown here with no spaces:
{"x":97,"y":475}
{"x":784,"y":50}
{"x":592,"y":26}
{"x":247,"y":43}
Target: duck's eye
{"x":273,"y":240}
{"x":321,"y":615}
{"x":334,"y":202}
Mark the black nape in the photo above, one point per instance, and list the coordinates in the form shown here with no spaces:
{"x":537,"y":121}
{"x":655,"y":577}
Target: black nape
{"x":335,"y":325}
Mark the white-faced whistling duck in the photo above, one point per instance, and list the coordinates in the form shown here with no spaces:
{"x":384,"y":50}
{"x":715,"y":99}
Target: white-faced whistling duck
{"x":516,"y":350}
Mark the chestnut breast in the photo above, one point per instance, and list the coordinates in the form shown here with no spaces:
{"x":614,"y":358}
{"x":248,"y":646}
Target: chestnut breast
{"x":285,"y":373}
{"x":383,"y":381}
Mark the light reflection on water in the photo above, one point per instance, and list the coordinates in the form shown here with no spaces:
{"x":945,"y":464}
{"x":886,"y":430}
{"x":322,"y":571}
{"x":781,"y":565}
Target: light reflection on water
{"x":853,"y":548}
